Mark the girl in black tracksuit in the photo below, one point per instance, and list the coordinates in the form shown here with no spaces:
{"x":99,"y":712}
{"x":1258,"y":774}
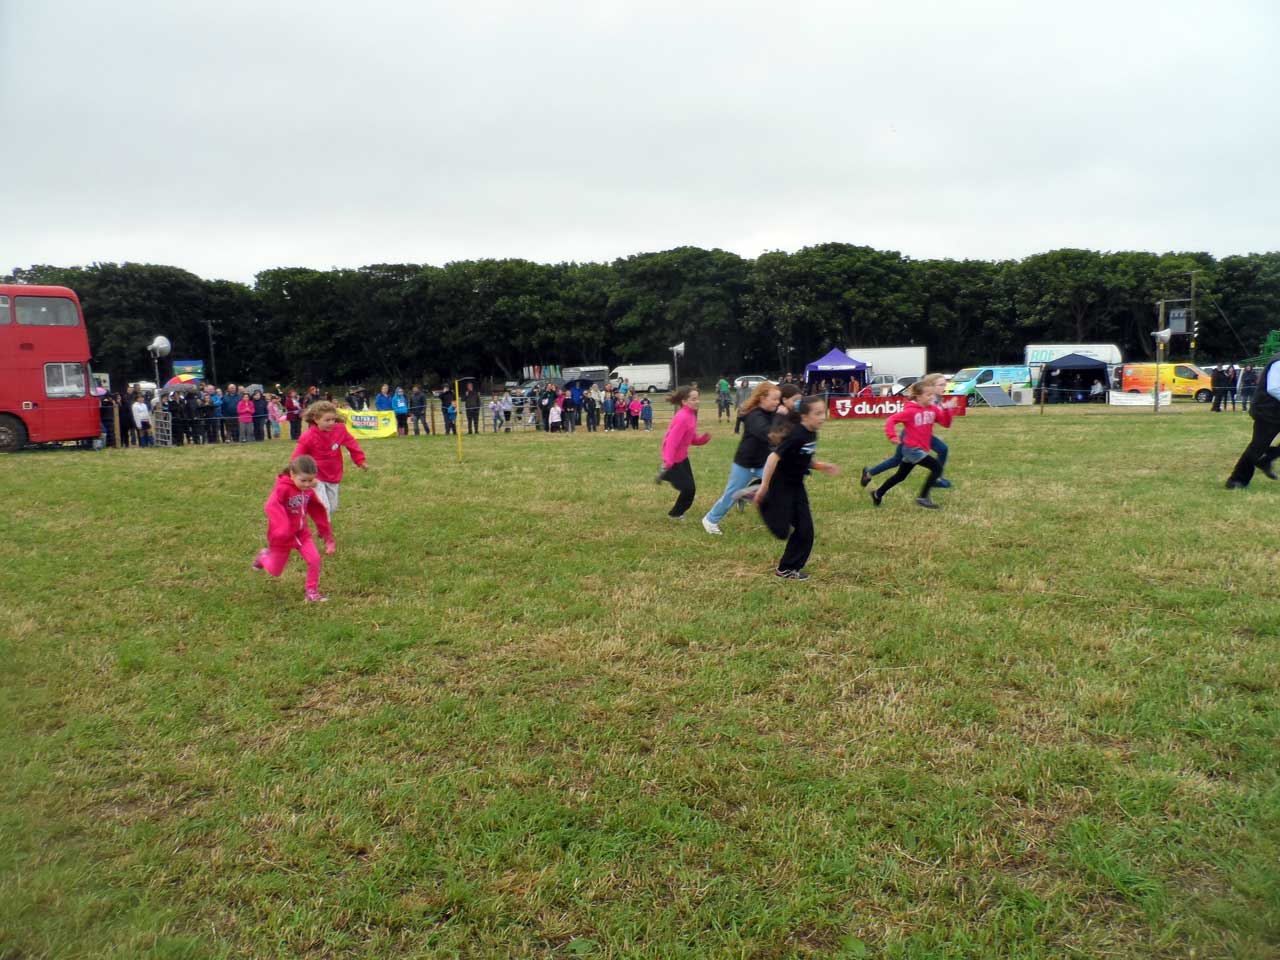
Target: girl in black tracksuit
{"x":782,"y":498}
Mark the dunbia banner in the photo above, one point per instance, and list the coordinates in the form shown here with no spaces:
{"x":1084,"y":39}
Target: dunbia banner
{"x":881,"y":408}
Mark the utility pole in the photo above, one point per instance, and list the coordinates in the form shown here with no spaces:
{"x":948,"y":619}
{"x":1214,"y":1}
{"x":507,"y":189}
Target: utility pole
{"x":213,"y":364}
{"x":1195,"y":327}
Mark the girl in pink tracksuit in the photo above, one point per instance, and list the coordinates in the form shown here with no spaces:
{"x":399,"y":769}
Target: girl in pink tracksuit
{"x":292,"y":500}
{"x":917,"y":419}
{"x":682,"y":433}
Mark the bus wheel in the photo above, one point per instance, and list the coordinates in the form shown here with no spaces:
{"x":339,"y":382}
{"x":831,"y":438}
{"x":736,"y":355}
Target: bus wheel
{"x":13,"y":435}
{"x":1204,"y":396}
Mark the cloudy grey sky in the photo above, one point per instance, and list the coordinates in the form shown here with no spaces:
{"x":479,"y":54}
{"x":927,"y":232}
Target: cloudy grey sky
{"x":228,"y":136}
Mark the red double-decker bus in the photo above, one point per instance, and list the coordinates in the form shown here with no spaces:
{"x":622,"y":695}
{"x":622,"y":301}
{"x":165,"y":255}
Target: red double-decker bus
{"x":46,"y":393}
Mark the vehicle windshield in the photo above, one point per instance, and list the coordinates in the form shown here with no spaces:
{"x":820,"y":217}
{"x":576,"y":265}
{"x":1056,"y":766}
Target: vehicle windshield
{"x":968,"y":373}
{"x":46,"y":312}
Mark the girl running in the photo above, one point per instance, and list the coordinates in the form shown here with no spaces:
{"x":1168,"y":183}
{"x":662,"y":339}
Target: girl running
{"x":675,"y":449}
{"x":938,"y":383}
{"x":917,"y":419}
{"x":753,"y":450}
{"x":782,"y":498}
{"x":323,"y":441}
{"x":291,"y":501}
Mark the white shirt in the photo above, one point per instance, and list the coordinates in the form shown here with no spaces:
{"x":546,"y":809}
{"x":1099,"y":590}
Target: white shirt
{"x":141,"y":413}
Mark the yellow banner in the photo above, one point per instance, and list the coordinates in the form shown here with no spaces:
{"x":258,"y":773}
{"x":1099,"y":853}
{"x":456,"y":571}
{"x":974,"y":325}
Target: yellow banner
{"x":369,"y":424}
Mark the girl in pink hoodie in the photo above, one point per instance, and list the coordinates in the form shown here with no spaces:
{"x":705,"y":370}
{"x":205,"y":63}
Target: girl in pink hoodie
{"x":917,"y":418}
{"x":682,"y":433}
{"x":292,"y":500}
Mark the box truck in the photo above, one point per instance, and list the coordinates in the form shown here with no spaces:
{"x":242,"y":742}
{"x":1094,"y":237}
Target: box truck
{"x":889,"y":365}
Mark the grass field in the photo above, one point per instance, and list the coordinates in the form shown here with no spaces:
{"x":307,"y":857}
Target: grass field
{"x":538,"y":719}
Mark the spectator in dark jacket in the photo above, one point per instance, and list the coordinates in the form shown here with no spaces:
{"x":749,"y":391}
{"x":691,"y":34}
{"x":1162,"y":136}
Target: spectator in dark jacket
{"x":418,"y":409}
{"x":259,"y":415}
{"x":471,"y":402}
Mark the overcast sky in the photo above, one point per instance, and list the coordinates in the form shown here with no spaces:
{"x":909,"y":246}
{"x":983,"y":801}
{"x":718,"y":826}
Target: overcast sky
{"x":230,"y":137}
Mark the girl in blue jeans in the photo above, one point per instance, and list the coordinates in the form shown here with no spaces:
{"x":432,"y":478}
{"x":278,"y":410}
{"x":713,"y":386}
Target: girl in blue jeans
{"x":753,"y":450}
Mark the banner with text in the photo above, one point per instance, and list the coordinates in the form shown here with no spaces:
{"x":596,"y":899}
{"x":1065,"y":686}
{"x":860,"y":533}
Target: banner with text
{"x":882,"y":408}
{"x":1118,"y":399}
{"x":369,"y":424}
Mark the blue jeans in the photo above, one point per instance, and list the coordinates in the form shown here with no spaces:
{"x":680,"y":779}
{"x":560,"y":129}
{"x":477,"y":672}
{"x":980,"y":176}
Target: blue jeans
{"x":937,"y":446}
{"x":739,"y":477}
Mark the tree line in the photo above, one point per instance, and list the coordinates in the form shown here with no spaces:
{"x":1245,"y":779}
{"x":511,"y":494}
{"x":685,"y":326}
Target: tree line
{"x":410,"y":323}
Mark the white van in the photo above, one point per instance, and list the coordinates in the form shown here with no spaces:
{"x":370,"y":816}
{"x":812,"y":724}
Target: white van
{"x":644,"y":377}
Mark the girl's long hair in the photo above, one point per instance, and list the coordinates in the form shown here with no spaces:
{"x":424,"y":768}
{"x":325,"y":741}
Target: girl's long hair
{"x":759,"y":393}
{"x":791,"y":419}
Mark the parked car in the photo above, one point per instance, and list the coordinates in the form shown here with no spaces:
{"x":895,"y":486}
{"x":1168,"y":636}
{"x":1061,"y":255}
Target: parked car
{"x":749,"y":380}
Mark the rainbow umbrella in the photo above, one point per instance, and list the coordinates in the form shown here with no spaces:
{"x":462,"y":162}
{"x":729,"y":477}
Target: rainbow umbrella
{"x":183,"y":378}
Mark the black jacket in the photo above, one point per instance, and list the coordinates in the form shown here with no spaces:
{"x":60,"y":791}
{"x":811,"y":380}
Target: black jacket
{"x":753,"y":448}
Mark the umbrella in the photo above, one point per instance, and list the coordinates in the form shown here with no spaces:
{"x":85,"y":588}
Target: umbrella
{"x":183,"y":378}
{"x":172,"y":387}
{"x":252,"y":387}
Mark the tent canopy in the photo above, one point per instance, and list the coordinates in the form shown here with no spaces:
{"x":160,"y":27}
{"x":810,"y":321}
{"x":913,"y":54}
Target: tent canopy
{"x":837,"y":361}
{"x":1076,"y":362}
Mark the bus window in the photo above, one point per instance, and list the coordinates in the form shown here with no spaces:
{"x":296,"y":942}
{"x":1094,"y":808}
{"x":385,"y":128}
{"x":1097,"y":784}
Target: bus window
{"x":64,"y":380}
{"x":4,"y":310}
{"x":46,"y":312}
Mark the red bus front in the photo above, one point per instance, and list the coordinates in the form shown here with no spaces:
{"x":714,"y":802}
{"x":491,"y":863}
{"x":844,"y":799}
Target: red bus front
{"x":46,"y":393}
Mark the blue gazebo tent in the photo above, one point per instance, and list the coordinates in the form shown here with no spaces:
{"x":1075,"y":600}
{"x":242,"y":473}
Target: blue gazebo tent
{"x":837,"y":367}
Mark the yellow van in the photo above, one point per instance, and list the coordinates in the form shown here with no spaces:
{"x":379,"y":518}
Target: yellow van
{"x":1180,"y":379}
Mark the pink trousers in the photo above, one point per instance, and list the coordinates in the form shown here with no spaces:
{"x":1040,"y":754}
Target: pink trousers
{"x":277,"y":559}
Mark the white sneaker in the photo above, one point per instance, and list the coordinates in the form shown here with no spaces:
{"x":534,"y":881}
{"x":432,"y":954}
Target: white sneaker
{"x":710,"y":527}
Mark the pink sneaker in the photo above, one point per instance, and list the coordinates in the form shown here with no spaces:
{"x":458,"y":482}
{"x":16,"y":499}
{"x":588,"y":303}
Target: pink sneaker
{"x":260,"y":561}
{"x":315,"y":596}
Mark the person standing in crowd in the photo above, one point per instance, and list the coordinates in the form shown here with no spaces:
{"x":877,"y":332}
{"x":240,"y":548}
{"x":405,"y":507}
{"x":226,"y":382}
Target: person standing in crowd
{"x":545,"y":402}
{"x":244,"y":413}
{"x":1218,"y":383}
{"x":575,"y":398}
{"x":1265,"y":410}
{"x":471,"y":403}
{"x":275,"y":416}
{"x":507,"y":407}
{"x":646,"y":413}
{"x":450,"y":414}
{"x":568,"y":410}
{"x":591,"y":407}
{"x":782,"y":498}
{"x":206,"y":425}
{"x":400,"y":407}
{"x":1233,"y":375}
{"x":142,"y":417}
{"x":1248,"y":386}
{"x":259,"y":416}
{"x":633,"y":411}
{"x":447,"y":399}
{"x":681,"y":434}
{"x":293,"y":413}
{"x":917,"y":418}
{"x":555,"y":413}
{"x":418,"y":410}
{"x":743,"y":395}
{"x":323,"y":440}
{"x":313,"y":396}
{"x":382,"y":402}
{"x":753,"y":450}
{"x":124,"y":412}
{"x":354,"y":400}
{"x":723,"y":406}
{"x":292,"y":500}
{"x":607,"y":405}
{"x":230,"y":415}
{"x":495,"y":413}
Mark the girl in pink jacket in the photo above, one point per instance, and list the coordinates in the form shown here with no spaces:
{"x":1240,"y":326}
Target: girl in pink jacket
{"x":292,"y":500}
{"x":682,"y":433}
{"x":917,"y":418}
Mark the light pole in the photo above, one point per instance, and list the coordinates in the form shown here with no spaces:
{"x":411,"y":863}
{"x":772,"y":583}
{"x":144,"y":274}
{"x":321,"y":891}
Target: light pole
{"x":159,"y":347}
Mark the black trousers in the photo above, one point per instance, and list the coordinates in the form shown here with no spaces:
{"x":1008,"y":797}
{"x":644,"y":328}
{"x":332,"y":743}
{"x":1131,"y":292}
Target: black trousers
{"x":785,"y":512}
{"x":680,"y":476}
{"x":473,"y":420}
{"x":1258,"y":452}
{"x":1219,"y":400}
{"x":929,"y":463}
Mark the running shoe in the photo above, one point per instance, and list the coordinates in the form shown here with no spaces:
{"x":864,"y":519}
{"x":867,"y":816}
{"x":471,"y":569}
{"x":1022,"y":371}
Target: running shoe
{"x":791,"y":575}
{"x":315,"y":596}
{"x":260,"y":561}
{"x":866,"y":477}
{"x":711,"y":528}
{"x":926,"y":503}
